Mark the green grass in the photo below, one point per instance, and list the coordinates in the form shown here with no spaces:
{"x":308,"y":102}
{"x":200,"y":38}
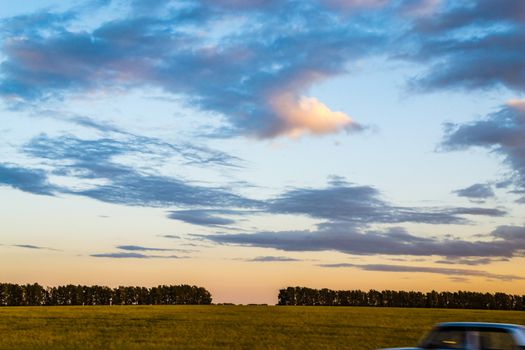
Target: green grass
{"x":225,"y":327}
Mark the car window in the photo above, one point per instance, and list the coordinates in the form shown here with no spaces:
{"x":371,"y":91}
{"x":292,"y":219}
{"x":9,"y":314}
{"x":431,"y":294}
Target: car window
{"x":496,"y":340}
{"x":445,"y":339}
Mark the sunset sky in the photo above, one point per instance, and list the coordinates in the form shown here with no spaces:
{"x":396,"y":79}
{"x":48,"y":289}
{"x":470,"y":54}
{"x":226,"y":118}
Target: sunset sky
{"x":246,"y":146}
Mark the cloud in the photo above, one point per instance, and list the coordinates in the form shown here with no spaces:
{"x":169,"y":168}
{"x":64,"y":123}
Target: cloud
{"x":91,"y":163}
{"x":206,"y":217}
{"x":256,"y":76}
{"x":307,"y":114}
{"x":142,"y":249}
{"x":31,"y":246}
{"x":271,"y":259}
{"x":476,"y":13}
{"x":502,"y":132}
{"x":135,"y":189}
{"x":425,"y":269}
{"x":472,"y":262}
{"x":514,"y":233}
{"x":171,"y":236}
{"x":346,"y":202}
{"x":470,"y":45}
{"x":26,"y":179}
{"x":214,"y":217}
{"x":128,"y":255}
{"x":458,"y":279}
{"x":476,"y":192}
{"x":504,"y":242}
{"x":419,"y":8}
{"x":353,"y":5}
{"x":241,"y":5}
{"x":115,"y":142}
{"x":258,"y":73}
{"x":93,"y":160}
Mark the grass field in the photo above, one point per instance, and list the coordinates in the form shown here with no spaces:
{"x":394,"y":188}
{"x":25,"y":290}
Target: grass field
{"x":224,"y":327}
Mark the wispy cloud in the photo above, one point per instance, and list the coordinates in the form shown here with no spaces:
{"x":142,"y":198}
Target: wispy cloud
{"x":271,"y":259}
{"x":130,"y":255}
{"x":472,"y":262}
{"x":171,"y":236}
{"x":205,"y":217}
{"x":142,"y":249}
{"x":425,"y":269}
{"x":504,"y":242}
{"x":476,"y":192}
{"x":502,"y":132}
{"x":92,"y":161}
{"x":212,"y":217}
{"x":33,"y":247}
{"x":346,"y":202}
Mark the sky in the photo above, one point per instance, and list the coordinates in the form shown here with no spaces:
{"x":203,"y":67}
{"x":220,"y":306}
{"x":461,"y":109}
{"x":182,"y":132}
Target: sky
{"x":247,"y":146}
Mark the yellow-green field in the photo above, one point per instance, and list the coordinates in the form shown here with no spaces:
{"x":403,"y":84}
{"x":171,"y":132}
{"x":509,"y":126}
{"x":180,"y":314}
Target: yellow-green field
{"x":225,"y":327}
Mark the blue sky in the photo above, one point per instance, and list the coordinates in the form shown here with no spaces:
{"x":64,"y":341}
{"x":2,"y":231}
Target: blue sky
{"x":251,"y":145}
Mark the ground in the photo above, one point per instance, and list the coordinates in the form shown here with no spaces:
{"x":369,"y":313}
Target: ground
{"x":225,"y":327}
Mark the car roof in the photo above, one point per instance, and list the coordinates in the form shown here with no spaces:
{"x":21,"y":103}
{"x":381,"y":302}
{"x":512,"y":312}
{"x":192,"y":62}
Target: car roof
{"x":481,"y":325}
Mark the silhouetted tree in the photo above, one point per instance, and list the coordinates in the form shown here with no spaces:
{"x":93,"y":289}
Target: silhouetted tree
{"x":389,"y":298}
{"x":36,"y":295}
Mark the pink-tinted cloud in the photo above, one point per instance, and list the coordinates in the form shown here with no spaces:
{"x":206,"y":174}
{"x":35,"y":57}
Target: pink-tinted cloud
{"x":302,"y":115}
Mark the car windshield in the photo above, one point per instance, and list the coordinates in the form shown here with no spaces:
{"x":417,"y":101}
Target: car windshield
{"x":477,"y":338}
{"x":444,"y":339}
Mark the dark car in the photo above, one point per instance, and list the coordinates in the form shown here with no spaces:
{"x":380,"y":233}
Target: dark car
{"x":473,"y":336}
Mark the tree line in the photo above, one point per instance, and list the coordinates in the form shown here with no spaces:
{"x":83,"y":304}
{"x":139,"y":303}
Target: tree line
{"x":390,"y":298}
{"x":36,"y":295}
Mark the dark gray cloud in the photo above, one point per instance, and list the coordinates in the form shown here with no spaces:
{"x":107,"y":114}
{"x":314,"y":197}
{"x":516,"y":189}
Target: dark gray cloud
{"x":346,"y":202}
{"x":514,"y":233}
{"x":211,"y":217}
{"x":472,"y":262}
{"x":206,"y":217}
{"x":31,"y":246}
{"x":425,"y":269}
{"x":142,"y":249}
{"x":478,"y":13}
{"x":476,"y":192}
{"x":471,"y":44}
{"x":272,"y":259}
{"x":502,"y":132}
{"x":504,"y":242}
{"x":171,"y":236}
{"x":494,"y":212}
{"x":340,"y":201}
